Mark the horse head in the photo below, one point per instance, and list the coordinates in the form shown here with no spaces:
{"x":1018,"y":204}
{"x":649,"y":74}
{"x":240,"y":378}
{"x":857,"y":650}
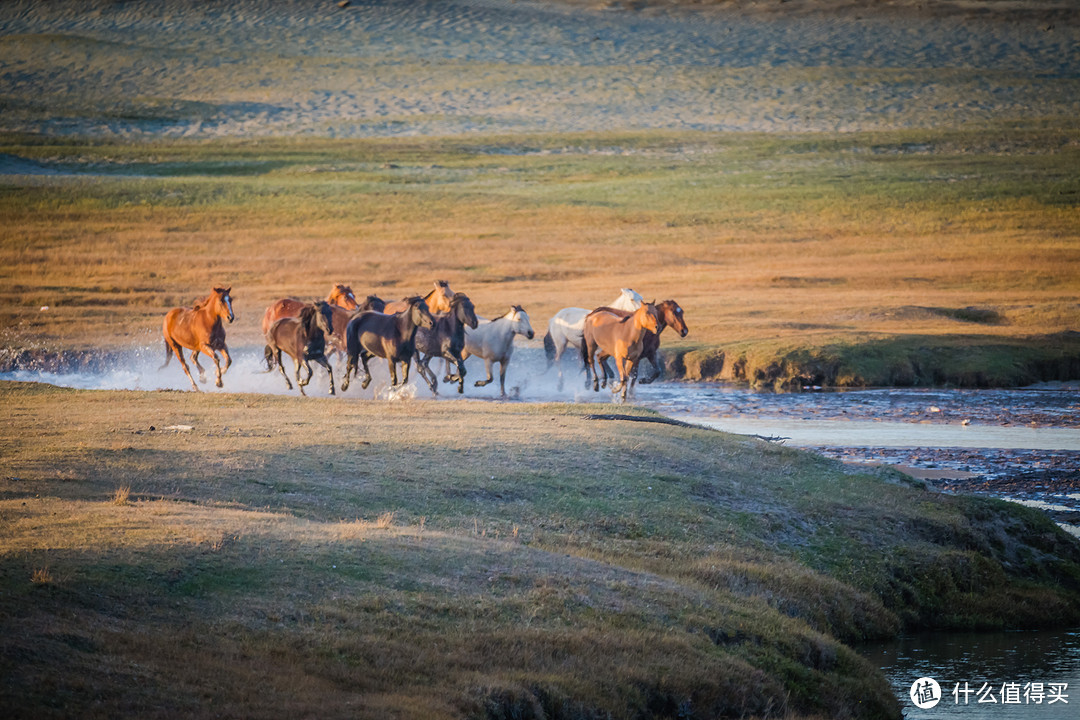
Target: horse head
{"x":439,"y":299}
{"x":673,"y":316}
{"x":520,"y":320}
{"x":648,"y":317}
{"x":372,"y":302}
{"x":464,"y":309}
{"x":419,"y":313}
{"x":342,"y":296}
{"x":224,"y":301}
{"x":324,"y":317}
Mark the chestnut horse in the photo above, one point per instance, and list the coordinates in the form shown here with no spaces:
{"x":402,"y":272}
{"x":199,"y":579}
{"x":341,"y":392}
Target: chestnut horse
{"x":388,"y":336}
{"x":199,"y":329}
{"x":437,"y":301}
{"x":340,"y":295}
{"x":446,"y":339}
{"x":670,"y":314}
{"x":622,"y":338}
{"x":304,"y":339}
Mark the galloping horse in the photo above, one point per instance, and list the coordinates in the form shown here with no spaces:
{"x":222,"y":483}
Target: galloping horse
{"x":340,"y":295}
{"x":438,"y":300}
{"x":343,"y":316}
{"x":199,"y":329}
{"x":670,"y":314}
{"x":566,"y":327}
{"x":446,"y":339}
{"x":607,"y":334}
{"x":303,"y":338}
{"x":390,"y":336}
{"x":494,"y":342}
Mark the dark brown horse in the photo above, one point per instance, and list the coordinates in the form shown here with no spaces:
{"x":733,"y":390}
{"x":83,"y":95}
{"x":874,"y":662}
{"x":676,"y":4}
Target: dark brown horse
{"x":387,"y":336}
{"x":438,"y":300}
{"x":340,"y":295}
{"x":304,"y":339}
{"x":446,"y":339}
{"x":342,"y":318}
{"x":670,"y":314}
{"x":199,"y":329}
{"x":607,"y":334}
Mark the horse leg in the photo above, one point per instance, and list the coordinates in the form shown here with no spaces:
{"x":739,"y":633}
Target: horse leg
{"x":277,"y":359}
{"x":502,"y":378}
{"x":393,"y":372}
{"x":405,"y":376}
{"x":424,"y":369}
{"x":217,"y":369}
{"x":228,"y":359}
{"x":329,"y":371}
{"x":301,"y":362}
{"x":195,"y":359}
{"x":490,"y":377}
{"x":560,"y":348}
{"x":460,"y":375}
{"x":591,"y":354}
{"x":367,"y":373}
{"x":180,"y":356}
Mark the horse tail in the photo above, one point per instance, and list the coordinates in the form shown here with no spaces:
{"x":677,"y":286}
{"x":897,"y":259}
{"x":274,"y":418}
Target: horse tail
{"x":549,"y":348}
{"x":168,"y":355}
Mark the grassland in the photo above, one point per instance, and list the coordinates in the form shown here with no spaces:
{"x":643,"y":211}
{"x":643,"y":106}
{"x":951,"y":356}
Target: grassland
{"x":168,"y":553}
{"x":836,"y":259}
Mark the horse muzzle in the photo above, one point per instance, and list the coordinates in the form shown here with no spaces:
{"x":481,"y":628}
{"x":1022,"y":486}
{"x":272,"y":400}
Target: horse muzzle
{"x":685,"y":332}
{"x":531,"y":335}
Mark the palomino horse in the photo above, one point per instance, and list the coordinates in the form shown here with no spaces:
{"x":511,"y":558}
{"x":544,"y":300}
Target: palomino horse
{"x":566,"y":327}
{"x":437,"y":301}
{"x":340,"y":296}
{"x":670,"y":314}
{"x":446,"y":339}
{"x":199,"y":329}
{"x":303,"y":338}
{"x":494,"y":342}
{"x":607,"y":334}
{"x":388,"y":336}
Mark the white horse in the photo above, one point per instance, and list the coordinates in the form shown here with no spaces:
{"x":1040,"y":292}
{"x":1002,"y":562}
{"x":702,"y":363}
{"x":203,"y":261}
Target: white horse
{"x":494,"y":342}
{"x":567,"y":327}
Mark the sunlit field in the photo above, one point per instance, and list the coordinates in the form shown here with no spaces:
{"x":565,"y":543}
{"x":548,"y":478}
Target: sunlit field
{"x":772,"y":244}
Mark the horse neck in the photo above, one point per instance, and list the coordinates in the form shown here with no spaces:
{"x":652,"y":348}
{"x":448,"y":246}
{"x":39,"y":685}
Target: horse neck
{"x":406,"y":328}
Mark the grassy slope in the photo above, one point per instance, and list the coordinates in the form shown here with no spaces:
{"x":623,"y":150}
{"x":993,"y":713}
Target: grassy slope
{"x":428,"y":559}
{"x":844,"y":259}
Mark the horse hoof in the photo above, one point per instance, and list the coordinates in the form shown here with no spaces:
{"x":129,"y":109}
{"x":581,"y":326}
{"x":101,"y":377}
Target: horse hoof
{"x":363,"y":385}
{"x":461,"y":390}
{"x":219,"y":384}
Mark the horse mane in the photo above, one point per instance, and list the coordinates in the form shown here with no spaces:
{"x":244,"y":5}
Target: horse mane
{"x":307,"y":315}
{"x":613,"y":311}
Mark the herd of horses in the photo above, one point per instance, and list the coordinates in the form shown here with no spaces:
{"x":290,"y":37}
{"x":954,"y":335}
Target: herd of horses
{"x":440,"y":325}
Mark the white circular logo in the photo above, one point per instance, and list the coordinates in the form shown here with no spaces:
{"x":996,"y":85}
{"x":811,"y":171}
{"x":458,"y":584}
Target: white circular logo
{"x":925,"y":693}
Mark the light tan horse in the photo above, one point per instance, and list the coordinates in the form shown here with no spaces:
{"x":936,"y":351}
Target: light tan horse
{"x":199,"y":329}
{"x":437,"y":301}
{"x":670,"y":314}
{"x":622,"y":338}
{"x":339,"y":296}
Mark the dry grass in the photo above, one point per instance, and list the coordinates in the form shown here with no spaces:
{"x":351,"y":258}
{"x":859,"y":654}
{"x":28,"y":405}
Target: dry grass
{"x":824,"y":240}
{"x":372,"y":559}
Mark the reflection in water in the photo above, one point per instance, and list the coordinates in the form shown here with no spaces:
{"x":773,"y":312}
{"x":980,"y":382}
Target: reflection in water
{"x":986,"y":665}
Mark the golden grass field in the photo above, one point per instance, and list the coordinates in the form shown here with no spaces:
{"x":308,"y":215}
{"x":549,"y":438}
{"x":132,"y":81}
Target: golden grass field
{"x":849,"y":199}
{"x":767,"y":242}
